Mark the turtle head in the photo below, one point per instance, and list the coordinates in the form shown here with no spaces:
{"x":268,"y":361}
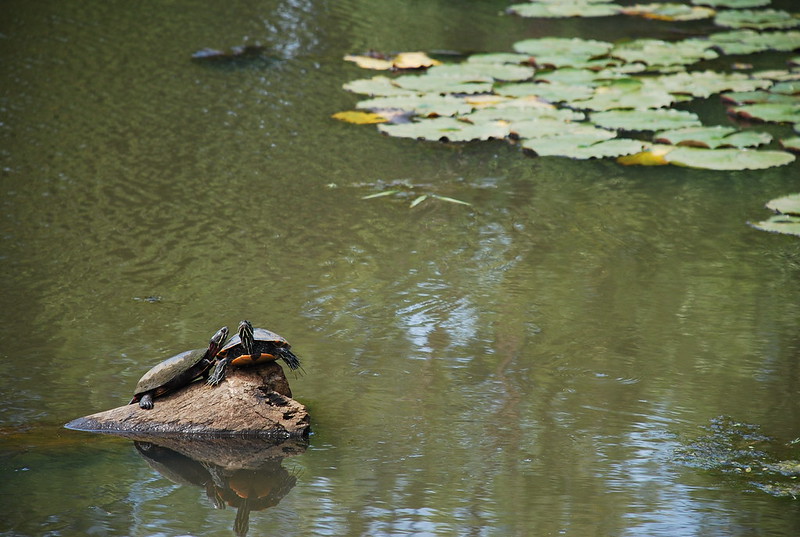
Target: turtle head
{"x":247,"y":337}
{"x":216,"y":341}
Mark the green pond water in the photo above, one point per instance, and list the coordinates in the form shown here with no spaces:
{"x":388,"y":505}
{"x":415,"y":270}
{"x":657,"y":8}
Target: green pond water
{"x":526,"y":365}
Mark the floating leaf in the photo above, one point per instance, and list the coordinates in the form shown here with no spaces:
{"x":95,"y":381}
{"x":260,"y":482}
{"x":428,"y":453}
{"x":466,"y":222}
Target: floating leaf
{"x":626,"y":93}
{"x":414,"y":60}
{"x":430,"y":83}
{"x":549,"y":128}
{"x":645,"y":119}
{"x":359,"y":118}
{"x":483,"y":71}
{"x":758,"y":19}
{"x":712,"y":137}
{"x":787,"y":205}
{"x":791,"y":144}
{"x":657,"y":52}
{"x":754,"y":97}
{"x":788,"y":88}
{"x":737,"y":4}
{"x":727,"y":159}
{"x":651,"y":156}
{"x":446,"y":128}
{"x":706,"y":83}
{"x":553,"y":93}
{"x":775,"y":112}
{"x":509,"y":112}
{"x":580,"y":146}
{"x":377,"y":85}
{"x":749,"y":41}
{"x":423,"y":105}
{"x":780,"y":223}
{"x":450,"y":200}
{"x":369,"y":62}
{"x":562,"y":51}
{"x":565,"y":8}
{"x":669,"y":12}
{"x":500,"y":57}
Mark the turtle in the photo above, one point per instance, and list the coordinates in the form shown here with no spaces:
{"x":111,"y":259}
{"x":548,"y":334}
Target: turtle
{"x":252,"y":345}
{"x":176,"y":372}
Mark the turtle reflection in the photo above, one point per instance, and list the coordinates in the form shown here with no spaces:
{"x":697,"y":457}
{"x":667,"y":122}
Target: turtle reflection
{"x":245,"y":489}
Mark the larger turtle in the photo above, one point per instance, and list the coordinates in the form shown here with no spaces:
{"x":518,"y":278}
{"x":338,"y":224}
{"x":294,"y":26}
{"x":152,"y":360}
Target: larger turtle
{"x":252,"y":345}
{"x":176,"y":372}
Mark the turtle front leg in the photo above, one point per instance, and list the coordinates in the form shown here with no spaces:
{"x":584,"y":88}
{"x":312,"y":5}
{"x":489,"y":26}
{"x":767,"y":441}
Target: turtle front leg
{"x":146,"y":402}
{"x":219,"y":372}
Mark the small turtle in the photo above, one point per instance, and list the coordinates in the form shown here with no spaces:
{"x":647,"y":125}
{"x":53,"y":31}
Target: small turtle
{"x":176,"y":372}
{"x":252,"y":345}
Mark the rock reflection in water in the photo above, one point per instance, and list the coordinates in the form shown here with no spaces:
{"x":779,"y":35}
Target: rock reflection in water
{"x":246,"y":474}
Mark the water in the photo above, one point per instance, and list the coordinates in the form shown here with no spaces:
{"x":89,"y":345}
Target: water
{"x":525,"y":366}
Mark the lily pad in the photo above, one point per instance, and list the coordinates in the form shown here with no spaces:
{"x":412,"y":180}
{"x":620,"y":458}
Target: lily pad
{"x":359,"y":118}
{"x":669,"y":12}
{"x":378,"y":85}
{"x":712,"y":137}
{"x":735,"y":4}
{"x":565,"y":8}
{"x":582,"y":146}
{"x":447,"y":128}
{"x":787,"y":88}
{"x":780,"y":223}
{"x":549,"y":128}
{"x":761,"y":19}
{"x":791,"y":144}
{"x":706,"y":83}
{"x":778,"y":112}
{"x":643,"y":120}
{"x":787,"y":205}
{"x":553,"y":93}
{"x":750,"y":41}
{"x":753,"y":97}
{"x":422,"y":105}
{"x":562,"y":51}
{"x":500,"y":57}
{"x":482,"y":71}
{"x":432,"y":83}
{"x":662,"y":54}
{"x":509,"y":112}
{"x":727,"y":159}
{"x":626,"y":93}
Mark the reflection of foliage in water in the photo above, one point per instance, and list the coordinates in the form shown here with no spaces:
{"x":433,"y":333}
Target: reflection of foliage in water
{"x":736,"y":448}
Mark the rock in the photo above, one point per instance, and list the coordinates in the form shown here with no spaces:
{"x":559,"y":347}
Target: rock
{"x":254,"y":401}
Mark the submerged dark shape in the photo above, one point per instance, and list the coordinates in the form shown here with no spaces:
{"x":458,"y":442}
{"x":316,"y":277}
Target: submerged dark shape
{"x":176,"y":372}
{"x":250,"y":346}
{"x":242,"y":54}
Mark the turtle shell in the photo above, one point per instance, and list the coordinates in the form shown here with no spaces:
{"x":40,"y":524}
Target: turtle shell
{"x":181,"y":367}
{"x":268,"y":346}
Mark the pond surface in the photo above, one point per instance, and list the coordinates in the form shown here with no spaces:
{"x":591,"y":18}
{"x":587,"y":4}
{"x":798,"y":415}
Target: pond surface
{"x":525,"y":365}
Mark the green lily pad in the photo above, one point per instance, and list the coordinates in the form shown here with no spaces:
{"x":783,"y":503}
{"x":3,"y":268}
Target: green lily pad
{"x":430,"y":83}
{"x":749,"y":41}
{"x":669,"y":11}
{"x":787,"y":88}
{"x":565,"y":8}
{"x":791,"y":144}
{"x":579,"y":146}
{"x":705,"y":83}
{"x":727,"y":159}
{"x":563,"y":52}
{"x":499,"y":57}
{"x":482,"y":71}
{"x":422,"y":105}
{"x":643,"y":120}
{"x":735,"y":4}
{"x":626,"y":93}
{"x":507,"y":111}
{"x":553,"y":93}
{"x":550,"y":128}
{"x":787,"y":204}
{"x":377,"y":85}
{"x":754,"y":97}
{"x":447,"y":128}
{"x":778,"y":113}
{"x":663,"y":53}
{"x":712,"y":137}
{"x":761,"y":19}
{"x":568,"y":75}
{"x":780,"y":223}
